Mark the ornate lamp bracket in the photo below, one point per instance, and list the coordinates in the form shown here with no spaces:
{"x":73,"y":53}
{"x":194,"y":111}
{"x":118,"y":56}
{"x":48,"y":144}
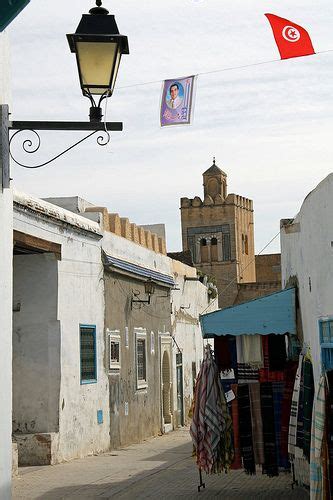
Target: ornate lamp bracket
{"x":31,"y":145}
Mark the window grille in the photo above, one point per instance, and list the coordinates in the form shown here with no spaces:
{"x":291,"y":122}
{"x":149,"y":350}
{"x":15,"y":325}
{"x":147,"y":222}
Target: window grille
{"x":226,"y":250}
{"x":326,"y":343}
{"x":141,"y":357}
{"x":141,"y":354}
{"x":114,"y":349}
{"x":88,"y":360}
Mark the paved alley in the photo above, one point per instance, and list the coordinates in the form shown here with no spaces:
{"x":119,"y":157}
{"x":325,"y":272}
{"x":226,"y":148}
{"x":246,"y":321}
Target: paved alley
{"x":160,"y":467}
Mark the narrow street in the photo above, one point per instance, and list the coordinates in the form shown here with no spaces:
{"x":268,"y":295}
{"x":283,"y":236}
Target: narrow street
{"x":161,"y":468}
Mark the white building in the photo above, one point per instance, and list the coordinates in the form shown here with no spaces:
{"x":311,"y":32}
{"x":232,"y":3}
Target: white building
{"x":6,"y":215}
{"x":307,"y":262}
{"x":188,"y":302}
{"x":60,"y":396}
{"x":80,"y":314}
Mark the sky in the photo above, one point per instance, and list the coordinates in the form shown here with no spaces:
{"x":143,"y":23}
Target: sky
{"x":269,"y":125}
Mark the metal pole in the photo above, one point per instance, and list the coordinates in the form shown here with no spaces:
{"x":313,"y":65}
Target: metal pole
{"x":4,"y":146}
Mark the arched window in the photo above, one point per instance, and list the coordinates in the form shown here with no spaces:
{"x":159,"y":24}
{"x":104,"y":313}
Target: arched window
{"x":213,"y":250}
{"x":203,"y":250}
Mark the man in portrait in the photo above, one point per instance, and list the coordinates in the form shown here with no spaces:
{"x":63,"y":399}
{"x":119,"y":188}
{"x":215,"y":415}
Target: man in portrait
{"x":175,"y":100}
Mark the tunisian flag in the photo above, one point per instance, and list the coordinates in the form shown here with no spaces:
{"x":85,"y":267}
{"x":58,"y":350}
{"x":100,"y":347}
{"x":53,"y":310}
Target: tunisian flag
{"x":292,"y":40}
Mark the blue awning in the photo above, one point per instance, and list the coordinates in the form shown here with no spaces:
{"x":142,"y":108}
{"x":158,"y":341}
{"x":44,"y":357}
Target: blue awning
{"x":137,"y":271}
{"x":274,"y":313}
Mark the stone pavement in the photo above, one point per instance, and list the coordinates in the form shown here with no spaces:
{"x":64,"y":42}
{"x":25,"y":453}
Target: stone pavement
{"x":160,"y":468}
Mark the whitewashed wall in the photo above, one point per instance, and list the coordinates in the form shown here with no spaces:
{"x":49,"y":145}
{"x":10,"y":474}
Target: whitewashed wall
{"x":5,"y":303}
{"x":188,"y":303}
{"x":80,"y":301}
{"x":307,"y":252}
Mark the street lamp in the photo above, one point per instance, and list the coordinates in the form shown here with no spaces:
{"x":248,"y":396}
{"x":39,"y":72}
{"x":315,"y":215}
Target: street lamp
{"x":149,"y":290}
{"x":98,"y":47}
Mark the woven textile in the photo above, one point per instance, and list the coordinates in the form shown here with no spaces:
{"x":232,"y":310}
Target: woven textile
{"x":270,"y":466}
{"x":307,"y":406}
{"x":301,"y":468}
{"x":247,"y":373}
{"x":245,"y":429}
{"x":326,"y":482}
{"x":329,"y":427}
{"x":256,"y":421}
{"x":252,"y":350}
{"x":222,"y":353}
{"x":237,"y":463}
{"x":266,"y":374}
{"x":290,"y":374}
{"x":211,"y":427}
{"x":294,"y":348}
{"x":300,"y":414}
{"x":277,"y":352}
{"x":294,"y":410}
{"x":317,"y":434}
{"x":278,"y":390}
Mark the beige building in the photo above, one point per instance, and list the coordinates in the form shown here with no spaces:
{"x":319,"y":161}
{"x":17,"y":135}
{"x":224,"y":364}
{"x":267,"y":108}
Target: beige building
{"x":219,"y":232}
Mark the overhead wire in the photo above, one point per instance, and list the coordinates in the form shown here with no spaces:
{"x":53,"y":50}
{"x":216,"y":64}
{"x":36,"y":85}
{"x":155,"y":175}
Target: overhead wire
{"x":221,"y":70}
{"x":251,"y":262}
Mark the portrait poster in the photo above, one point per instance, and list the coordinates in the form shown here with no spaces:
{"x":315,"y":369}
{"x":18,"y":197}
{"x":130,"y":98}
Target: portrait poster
{"x":177,"y":101}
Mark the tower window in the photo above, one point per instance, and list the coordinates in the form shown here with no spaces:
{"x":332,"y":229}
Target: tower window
{"x":204,"y":250}
{"x":226,"y":249}
{"x":213,"y":251}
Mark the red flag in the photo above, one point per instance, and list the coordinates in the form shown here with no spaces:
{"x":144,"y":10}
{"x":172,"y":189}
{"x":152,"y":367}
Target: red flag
{"x":292,"y":40}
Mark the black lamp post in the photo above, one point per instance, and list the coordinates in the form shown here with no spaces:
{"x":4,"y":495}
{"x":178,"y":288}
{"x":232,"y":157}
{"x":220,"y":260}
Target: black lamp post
{"x":98,"y":47}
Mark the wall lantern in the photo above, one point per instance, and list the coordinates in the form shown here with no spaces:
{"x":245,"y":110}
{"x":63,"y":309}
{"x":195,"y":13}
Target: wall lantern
{"x":149,"y":290}
{"x":98,"y":47}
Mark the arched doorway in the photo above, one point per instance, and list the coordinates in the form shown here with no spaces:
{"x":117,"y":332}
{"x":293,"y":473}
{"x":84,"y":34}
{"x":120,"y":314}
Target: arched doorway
{"x":166,"y":388}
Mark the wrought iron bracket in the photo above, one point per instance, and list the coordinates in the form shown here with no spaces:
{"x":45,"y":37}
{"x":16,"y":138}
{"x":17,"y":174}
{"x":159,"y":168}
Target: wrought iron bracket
{"x":32,"y":145}
{"x":138,"y":301}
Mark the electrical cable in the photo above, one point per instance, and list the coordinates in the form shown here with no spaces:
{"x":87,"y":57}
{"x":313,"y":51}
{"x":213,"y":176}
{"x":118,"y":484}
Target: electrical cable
{"x":251,"y":262}
{"x":221,"y":70}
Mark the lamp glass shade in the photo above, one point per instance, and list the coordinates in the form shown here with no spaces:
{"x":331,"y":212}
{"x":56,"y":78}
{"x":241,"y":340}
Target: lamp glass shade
{"x":98,"y":64}
{"x":149,"y":287}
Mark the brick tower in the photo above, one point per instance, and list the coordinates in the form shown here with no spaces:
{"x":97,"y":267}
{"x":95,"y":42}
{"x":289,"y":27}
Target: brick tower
{"x":219,"y":233}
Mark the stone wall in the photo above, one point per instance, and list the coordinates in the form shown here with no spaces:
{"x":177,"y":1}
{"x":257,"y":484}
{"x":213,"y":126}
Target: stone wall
{"x":250,"y":291}
{"x":268,"y":267}
{"x":121,"y":226}
{"x":237,"y":212}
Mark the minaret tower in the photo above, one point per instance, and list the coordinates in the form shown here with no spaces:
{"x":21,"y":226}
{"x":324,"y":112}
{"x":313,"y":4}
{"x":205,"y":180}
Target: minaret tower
{"x":219,"y":232}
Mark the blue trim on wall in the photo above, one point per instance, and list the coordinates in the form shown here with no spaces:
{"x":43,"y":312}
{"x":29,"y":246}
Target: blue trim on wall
{"x":94,"y":380}
{"x":134,"y":269}
{"x":326,"y":348}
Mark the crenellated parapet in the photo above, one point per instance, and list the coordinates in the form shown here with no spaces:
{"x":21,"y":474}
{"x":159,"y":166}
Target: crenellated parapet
{"x":231,"y":199}
{"x":121,"y":226}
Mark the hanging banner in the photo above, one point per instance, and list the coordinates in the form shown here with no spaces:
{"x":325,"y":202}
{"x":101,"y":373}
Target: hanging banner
{"x":291,"y":39}
{"x":177,"y":101}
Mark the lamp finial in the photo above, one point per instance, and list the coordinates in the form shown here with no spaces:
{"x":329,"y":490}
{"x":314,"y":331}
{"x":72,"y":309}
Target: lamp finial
{"x":99,"y":10}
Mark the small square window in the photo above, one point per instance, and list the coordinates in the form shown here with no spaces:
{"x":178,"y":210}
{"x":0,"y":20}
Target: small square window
{"x":114,"y":349}
{"x":141,"y":358}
